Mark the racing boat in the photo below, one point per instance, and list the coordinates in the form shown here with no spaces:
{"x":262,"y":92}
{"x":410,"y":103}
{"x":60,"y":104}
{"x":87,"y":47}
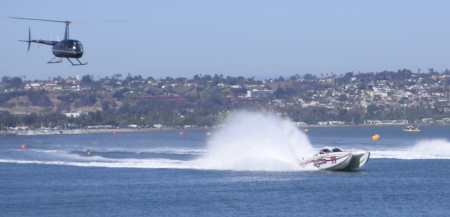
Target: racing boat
{"x":336,"y":159}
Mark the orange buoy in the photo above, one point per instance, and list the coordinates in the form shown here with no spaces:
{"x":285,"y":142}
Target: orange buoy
{"x":114,"y":132}
{"x":23,"y":146}
{"x":181,"y":133}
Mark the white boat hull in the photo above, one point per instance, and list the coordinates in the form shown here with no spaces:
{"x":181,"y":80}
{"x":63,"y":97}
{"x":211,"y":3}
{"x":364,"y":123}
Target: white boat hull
{"x":359,"y":158}
{"x":336,"y":160}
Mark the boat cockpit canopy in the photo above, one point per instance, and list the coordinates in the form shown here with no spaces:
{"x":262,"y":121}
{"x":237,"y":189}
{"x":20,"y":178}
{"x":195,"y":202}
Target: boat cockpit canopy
{"x":336,"y":150}
{"x":324,"y":151}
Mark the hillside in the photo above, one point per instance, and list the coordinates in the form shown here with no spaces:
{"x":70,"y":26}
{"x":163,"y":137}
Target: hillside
{"x":203,"y":100}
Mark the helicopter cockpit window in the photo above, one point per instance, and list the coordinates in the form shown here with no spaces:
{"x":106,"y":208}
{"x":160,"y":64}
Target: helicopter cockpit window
{"x":72,"y":45}
{"x":77,"y":46}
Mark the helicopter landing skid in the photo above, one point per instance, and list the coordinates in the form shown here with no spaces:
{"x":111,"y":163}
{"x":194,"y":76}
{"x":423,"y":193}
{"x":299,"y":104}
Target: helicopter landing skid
{"x":57,"y":61}
{"x":76,"y":64}
{"x":73,"y":64}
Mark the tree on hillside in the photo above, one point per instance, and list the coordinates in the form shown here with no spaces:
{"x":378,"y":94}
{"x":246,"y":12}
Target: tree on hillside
{"x":14,"y":82}
{"x":86,"y":80}
{"x":309,"y":77}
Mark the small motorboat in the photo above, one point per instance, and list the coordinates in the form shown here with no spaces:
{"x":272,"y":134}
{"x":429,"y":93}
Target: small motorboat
{"x":411,"y":129}
{"x":336,"y":159}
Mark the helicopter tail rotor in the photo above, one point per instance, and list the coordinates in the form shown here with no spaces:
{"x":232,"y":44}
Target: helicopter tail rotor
{"x":29,"y":39}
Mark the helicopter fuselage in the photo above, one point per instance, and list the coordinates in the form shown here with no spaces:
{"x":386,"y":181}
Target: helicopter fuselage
{"x":68,"y":48}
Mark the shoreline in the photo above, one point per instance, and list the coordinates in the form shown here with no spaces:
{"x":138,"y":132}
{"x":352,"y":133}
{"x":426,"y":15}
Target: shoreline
{"x":132,"y":130}
{"x":95,"y":131}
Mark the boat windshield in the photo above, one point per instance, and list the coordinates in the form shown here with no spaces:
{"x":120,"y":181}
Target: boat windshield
{"x":324,"y":151}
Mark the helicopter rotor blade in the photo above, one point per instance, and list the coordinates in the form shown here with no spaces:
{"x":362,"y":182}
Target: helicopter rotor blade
{"x":57,"y":21}
{"x":81,"y":21}
{"x":22,"y":18}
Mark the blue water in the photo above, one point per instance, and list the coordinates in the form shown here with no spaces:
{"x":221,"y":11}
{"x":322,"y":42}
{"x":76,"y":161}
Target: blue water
{"x":165,"y":174}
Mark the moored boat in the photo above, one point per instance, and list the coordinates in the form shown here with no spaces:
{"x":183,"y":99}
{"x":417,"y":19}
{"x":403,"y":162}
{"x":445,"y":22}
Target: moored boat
{"x":411,"y":129}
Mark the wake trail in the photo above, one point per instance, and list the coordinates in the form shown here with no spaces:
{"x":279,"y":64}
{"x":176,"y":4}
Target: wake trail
{"x":423,"y":149}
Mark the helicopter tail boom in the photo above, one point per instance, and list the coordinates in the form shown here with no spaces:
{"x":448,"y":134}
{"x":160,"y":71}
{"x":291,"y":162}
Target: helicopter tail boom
{"x":47,"y":42}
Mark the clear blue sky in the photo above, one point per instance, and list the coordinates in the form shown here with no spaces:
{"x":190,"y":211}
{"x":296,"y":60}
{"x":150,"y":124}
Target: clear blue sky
{"x":233,"y":38}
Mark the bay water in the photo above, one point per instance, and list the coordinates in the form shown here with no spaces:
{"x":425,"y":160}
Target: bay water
{"x":247,"y":167}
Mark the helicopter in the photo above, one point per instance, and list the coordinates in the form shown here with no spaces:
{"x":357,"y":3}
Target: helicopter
{"x":67,"y":48}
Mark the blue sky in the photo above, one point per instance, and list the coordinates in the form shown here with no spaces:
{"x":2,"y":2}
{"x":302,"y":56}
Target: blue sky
{"x":233,"y":38}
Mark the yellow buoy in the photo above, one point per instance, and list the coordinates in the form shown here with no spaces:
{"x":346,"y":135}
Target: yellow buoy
{"x":306,"y":130}
{"x":375,"y":137}
{"x":208,"y":134}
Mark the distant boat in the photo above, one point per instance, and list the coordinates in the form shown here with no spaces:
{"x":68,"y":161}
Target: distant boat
{"x":410,"y":128}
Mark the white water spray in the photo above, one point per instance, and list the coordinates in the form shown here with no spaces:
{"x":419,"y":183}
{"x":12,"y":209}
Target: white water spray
{"x":439,"y":148}
{"x":423,"y":149}
{"x":256,"y":141}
